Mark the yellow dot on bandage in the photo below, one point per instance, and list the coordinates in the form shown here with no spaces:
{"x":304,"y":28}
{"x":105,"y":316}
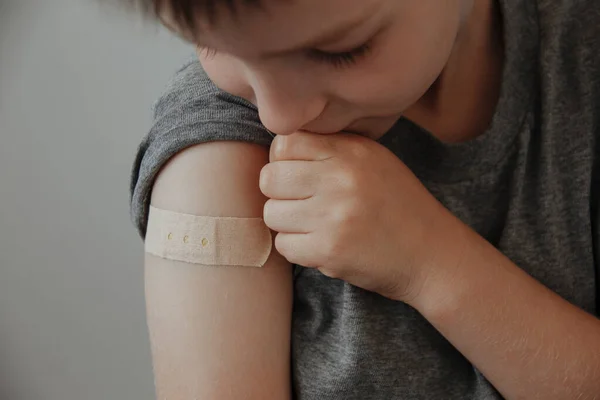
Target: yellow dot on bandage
{"x":170,"y":236}
{"x":186,"y":239}
{"x":204,"y":242}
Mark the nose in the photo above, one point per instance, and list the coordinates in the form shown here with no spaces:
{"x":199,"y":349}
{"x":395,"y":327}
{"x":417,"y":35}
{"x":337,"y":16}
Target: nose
{"x":285,"y":99}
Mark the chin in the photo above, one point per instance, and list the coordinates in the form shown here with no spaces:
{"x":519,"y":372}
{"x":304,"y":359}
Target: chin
{"x":373,"y":128}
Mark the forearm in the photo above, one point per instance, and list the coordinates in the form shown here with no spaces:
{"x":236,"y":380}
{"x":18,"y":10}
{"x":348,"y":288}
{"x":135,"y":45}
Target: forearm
{"x":528,"y":341}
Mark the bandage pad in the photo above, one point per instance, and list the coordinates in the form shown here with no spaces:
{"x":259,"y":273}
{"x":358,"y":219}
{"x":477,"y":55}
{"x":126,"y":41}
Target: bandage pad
{"x":212,"y":241}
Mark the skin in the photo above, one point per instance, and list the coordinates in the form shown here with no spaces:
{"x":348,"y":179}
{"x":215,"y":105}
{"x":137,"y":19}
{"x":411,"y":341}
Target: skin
{"x":218,"y":332}
{"x":322,"y":184}
{"x":416,"y":66}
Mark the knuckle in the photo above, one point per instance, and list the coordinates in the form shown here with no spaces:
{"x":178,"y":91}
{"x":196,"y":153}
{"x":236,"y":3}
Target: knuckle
{"x":285,"y":247}
{"x":279,"y":147}
{"x":338,"y":215}
{"x":280,"y":245}
{"x":266,"y":178}
{"x":269,"y":213}
{"x":358,"y":149}
{"x":348,"y":181}
{"x":343,"y":213}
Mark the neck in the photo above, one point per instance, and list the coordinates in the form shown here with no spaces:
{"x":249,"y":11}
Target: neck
{"x":461,"y":103}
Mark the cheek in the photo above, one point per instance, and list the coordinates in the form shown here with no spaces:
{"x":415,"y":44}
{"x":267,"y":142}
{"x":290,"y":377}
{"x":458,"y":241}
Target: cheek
{"x":383,"y":86}
{"x":400,"y":71}
{"x":227,"y":75}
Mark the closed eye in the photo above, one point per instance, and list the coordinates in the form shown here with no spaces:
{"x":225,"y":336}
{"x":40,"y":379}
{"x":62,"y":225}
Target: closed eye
{"x":336,"y":59}
{"x":341,"y":59}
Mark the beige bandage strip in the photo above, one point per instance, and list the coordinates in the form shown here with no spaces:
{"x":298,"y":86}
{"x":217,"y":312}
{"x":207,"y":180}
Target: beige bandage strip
{"x":218,"y":241}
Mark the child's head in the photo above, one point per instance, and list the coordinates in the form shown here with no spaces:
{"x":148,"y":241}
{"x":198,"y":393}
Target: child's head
{"x":321,"y":65}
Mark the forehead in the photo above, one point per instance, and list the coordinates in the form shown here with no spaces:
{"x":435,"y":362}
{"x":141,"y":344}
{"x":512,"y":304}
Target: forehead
{"x":280,"y":24}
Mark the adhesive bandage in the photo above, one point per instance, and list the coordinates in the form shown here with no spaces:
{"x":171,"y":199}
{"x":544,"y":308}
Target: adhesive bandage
{"x":214,"y":241}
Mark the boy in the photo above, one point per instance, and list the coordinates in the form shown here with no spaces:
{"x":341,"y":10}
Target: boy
{"x":432,"y":193}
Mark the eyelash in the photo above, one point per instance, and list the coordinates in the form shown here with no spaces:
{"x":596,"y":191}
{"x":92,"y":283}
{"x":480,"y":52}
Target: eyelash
{"x":337,"y":60}
{"x":343,"y":59}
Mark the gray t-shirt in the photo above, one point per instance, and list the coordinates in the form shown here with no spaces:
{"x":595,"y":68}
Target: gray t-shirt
{"x":529,"y":185}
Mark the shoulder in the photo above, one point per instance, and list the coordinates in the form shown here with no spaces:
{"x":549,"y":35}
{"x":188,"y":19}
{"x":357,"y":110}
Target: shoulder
{"x":193,"y":104}
{"x":190,"y":111}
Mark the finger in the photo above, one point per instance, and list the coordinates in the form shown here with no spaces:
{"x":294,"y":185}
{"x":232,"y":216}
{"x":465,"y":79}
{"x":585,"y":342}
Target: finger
{"x":289,"y":180}
{"x":302,"y":146}
{"x":289,"y":216}
{"x":297,"y":248}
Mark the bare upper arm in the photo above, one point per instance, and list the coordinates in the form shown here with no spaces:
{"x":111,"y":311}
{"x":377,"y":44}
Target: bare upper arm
{"x":218,"y":332}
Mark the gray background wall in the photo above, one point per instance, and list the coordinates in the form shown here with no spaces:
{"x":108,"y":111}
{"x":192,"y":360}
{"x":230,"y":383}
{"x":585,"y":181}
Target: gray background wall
{"x":77,"y":81}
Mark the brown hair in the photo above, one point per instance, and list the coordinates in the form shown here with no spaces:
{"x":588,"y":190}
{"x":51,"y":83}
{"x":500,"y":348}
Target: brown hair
{"x":185,"y":12}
